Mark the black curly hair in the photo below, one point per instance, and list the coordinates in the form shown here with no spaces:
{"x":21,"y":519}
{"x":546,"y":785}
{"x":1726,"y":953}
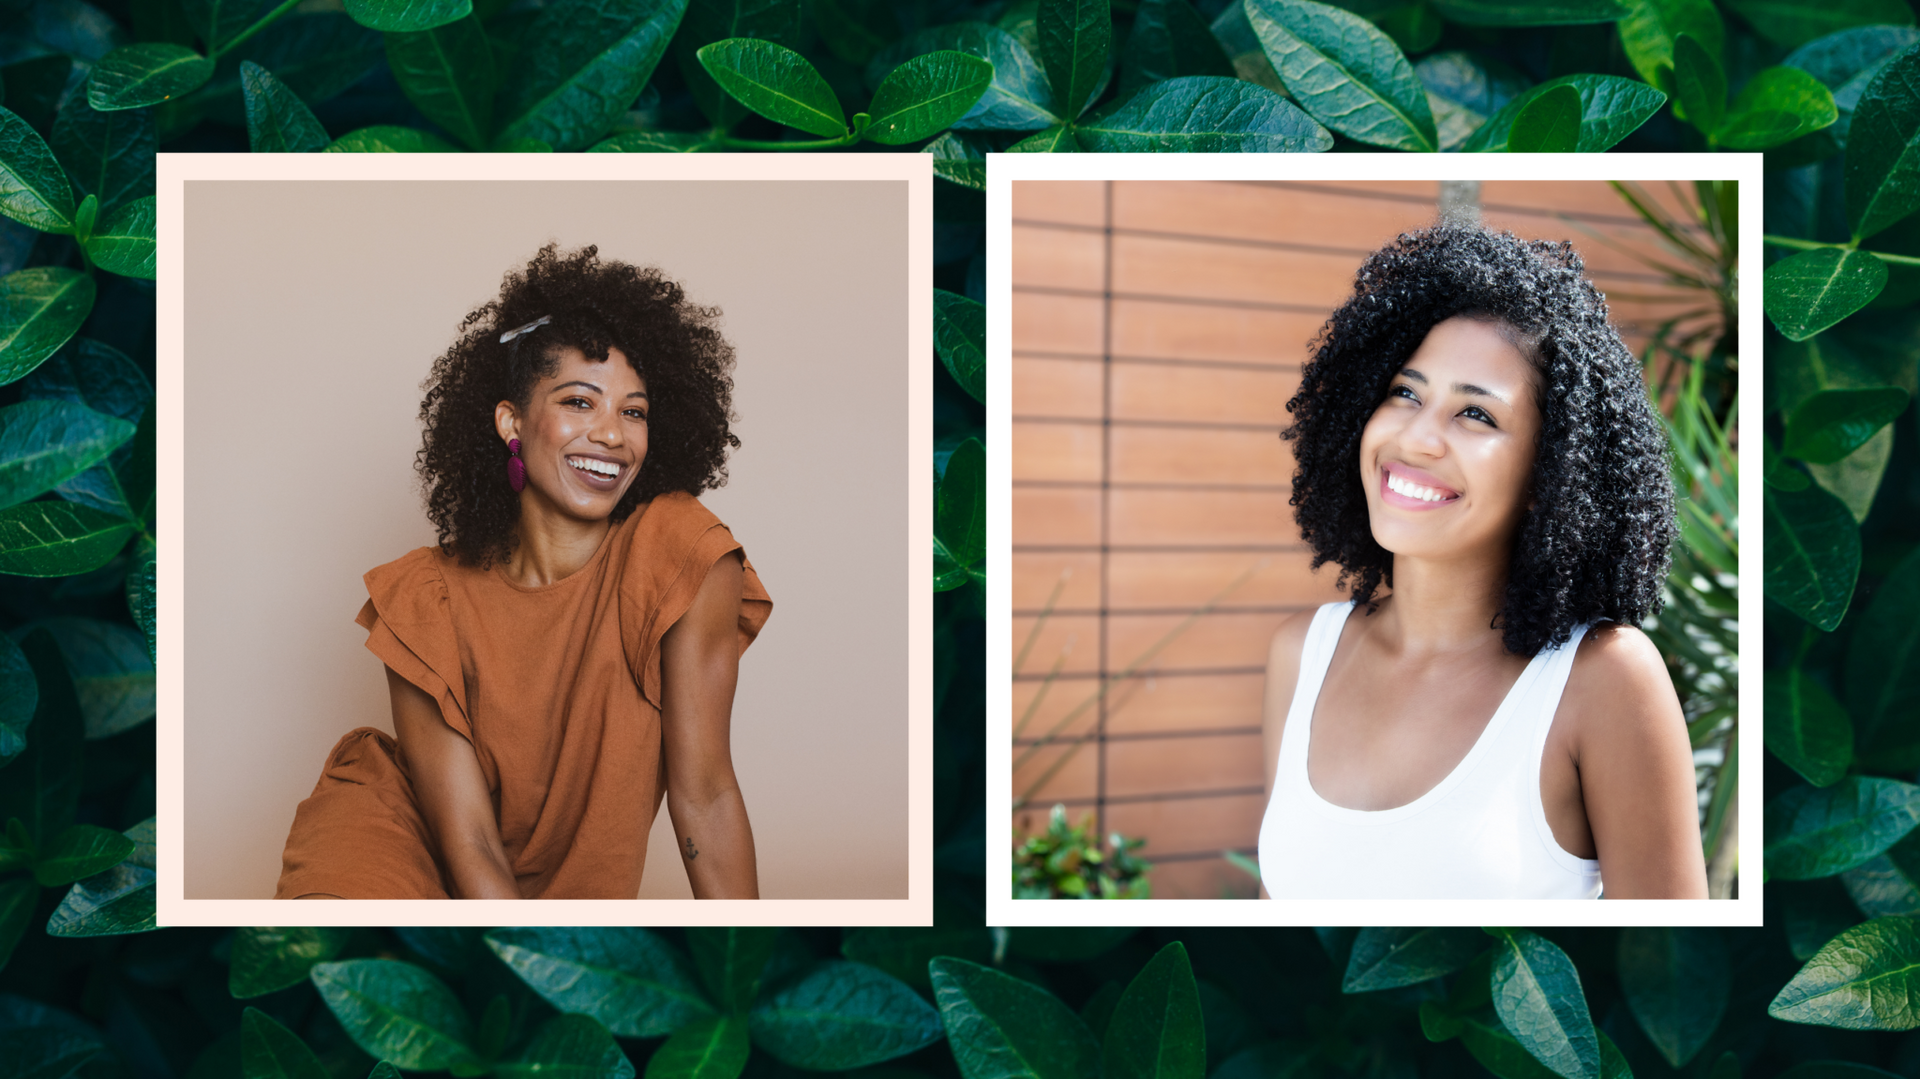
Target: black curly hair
{"x":675,"y":345}
{"x":1595,"y":543}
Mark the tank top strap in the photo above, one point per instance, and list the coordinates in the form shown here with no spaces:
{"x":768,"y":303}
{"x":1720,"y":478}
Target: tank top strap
{"x":1542,"y":703}
{"x":1316,"y":655}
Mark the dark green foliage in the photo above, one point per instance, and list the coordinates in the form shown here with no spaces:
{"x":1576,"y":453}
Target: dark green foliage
{"x":1549,"y":123}
{"x":1389,"y":958}
{"x":1001,"y":1027}
{"x":1676,"y":981}
{"x":1807,"y":728}
{"x":715,"y":1048}
{"x":1156,"y":1030}
{"x":630,"y":979}
{"x":265,"y":960}
{"x":730,"y":962}
{"x":840,"y":1016}
{"x":1345,"y":73}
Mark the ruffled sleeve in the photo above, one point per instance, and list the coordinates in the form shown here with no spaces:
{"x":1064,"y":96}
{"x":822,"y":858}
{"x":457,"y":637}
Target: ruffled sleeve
{"x":410,"y":628}
{"x":672,"y":552}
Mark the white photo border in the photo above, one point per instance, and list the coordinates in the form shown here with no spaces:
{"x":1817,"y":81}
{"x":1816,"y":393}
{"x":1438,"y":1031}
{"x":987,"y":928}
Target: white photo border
{"x":1003,"y":170}
{"x":174,"y":170}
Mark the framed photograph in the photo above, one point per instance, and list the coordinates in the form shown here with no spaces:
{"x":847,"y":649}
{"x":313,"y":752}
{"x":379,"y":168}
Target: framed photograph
{"x":1227,"y":399}
{"x":379,"y":502}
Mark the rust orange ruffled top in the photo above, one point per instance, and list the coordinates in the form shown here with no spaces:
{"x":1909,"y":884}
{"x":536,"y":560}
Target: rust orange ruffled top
{"x":558,"y":689}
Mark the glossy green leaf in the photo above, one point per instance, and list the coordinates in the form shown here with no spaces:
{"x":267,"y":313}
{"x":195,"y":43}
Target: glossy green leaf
{"x":1345,"y":72}
{"x":135,"y":76}
{"x":1833,"y":423}
{"x":267,"y":959}
{"x":958,"y":161}
{"x":105,"y":154}
{"x":1018,"y":99}
{"x":708,"y":21}
{"x":271,"y":1051}
{"x":656,"y":142}
{"x":713,"y":1048}
{"x":1464,"y":89}
{"x":1549,"y":124}
{"x":40,"y":308}
{"x":1054,"y":140}
{"x":1075,"y":37}
{"x":17,"y":899}
{"x":1796,"y":22}
{"x":219,"y":21}
{"x":140,"y":603}
{"x":925,"y":95}
{"x":58,"y":539}
{"x":316,"y":55}
{"x":1676,"y":982}
{"x":635,"y":983}
{"x":840,"y":1016}
{"x":42,"y":787}
{"x":112,"y":673}
{"x":730,"y":961}
{"x":1651,"y":28}
{"x":80,"y":850}
{"x":1807,"y":728}
{"x":1815,"y":289}
{"x":581,"y":66}
{"x":960,"y":337}
{"x":1156,"y":1031}
{"x":33,"y":188}
{"x":124,"y":243}
{"x":44,"y":443}
{"x":135,"y":475}
{"x":568,"y":1047}
{"x":1000,"y":1027}
{"x":1700,"y":85}
{"x":447,"y":72}
{"x":1882,"y":177}
{"x":1389,"y":957}
{"x":1537,"y":995}
{"x":1611,"y":108}
{"x":960,"y":519}
{"x":407,"y":16}
{"x":1170,"y":39}
{"x":1883,"y":671}
{"x":775,"y":82}
{"x":1888,"y":883}
{"x":1202,"y":114}
{"x":1855,"y":478}
{"x":387,"y":139}
{"x":904,"y":952}
{"x":1818,"y":832}
{"x":19,"y":693}
{"x":1846,"y":63}
{"x":277,"y":121}
{"x":1777,"y":105}
{"x":1864,"y":979}
{"x":397,"y":1012}
{"x":1529,"y":12}
{"x":114,"y":903}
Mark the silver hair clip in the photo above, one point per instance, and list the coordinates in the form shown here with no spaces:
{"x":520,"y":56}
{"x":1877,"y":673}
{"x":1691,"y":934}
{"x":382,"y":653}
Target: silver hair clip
{"x":536,"y":323}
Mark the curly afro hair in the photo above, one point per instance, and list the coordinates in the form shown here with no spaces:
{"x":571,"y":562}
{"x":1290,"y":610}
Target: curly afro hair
{"x":1594,"y":545}
{"x":675,"y":345}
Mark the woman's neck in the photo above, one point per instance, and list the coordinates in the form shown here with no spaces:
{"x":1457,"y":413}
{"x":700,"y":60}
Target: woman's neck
{"x":1438,"y":608}
{"x":552,"y":546}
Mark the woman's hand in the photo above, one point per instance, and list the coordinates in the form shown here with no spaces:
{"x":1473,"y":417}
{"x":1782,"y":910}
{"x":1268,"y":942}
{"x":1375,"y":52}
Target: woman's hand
{"x":452,"y":794}
{"x":699,"y":663}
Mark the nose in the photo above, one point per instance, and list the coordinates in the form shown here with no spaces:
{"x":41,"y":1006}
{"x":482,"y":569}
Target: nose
{"x":606,"y":428}
{"x":1425,"y":432}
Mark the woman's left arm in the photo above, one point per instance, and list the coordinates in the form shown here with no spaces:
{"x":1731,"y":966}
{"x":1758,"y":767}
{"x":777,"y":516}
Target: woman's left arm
{"x":699,"y":663}
{"x":1636,"y":770}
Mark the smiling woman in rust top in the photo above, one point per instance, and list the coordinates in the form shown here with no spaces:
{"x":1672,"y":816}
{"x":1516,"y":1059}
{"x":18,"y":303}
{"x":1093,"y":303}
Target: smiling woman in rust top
{"x":567,"y":655}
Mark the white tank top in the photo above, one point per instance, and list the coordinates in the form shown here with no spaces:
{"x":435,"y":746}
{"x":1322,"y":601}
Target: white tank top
{"x":1480,"y":833}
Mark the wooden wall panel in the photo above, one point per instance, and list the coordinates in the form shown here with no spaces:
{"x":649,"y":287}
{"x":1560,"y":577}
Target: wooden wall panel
{"x":1218,"y":291}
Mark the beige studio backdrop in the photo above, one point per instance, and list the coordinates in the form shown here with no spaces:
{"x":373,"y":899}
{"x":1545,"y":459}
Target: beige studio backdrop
{"x":313,"y":311}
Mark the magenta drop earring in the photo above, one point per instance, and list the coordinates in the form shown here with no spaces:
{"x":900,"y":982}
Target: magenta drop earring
{"x":516,"y":468}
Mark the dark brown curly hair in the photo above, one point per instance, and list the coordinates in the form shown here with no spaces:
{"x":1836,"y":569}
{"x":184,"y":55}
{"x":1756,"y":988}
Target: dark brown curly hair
{"x":673,"y":344}
{"x":1595,"y":543}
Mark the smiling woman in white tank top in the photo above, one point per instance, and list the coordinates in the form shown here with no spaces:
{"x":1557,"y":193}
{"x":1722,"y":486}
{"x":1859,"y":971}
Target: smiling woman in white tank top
{"x":1477,"y":453}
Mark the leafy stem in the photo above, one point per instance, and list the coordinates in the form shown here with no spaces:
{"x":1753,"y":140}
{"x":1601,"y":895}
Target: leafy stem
{"x":1815,"y":245}
{"x":259,"y":25}
{"x":732,"y":143}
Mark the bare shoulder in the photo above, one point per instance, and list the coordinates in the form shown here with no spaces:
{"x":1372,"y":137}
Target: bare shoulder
{"x":1289,"y":637}
{"x":1619,"y":688}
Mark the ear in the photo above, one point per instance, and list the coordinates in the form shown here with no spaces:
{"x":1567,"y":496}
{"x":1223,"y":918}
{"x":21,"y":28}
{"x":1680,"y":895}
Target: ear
{"x":506,"y":420}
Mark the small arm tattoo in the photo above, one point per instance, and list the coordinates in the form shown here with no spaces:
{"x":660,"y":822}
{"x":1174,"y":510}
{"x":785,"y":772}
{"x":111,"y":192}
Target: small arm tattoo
{"x":691,"y":853}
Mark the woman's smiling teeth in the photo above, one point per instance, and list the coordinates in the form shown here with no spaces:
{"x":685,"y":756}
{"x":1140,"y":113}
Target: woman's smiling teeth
{"x":588,"y":464}
{"x":1413,"y":490}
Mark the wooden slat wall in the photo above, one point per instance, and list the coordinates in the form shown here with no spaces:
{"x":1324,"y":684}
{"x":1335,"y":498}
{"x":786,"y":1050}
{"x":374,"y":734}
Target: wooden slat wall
{"x":1158,"y":330}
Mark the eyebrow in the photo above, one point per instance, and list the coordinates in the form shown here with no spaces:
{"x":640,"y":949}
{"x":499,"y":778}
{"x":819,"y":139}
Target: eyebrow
{"x":1467,"y":388}
{"x":594,"y":388}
